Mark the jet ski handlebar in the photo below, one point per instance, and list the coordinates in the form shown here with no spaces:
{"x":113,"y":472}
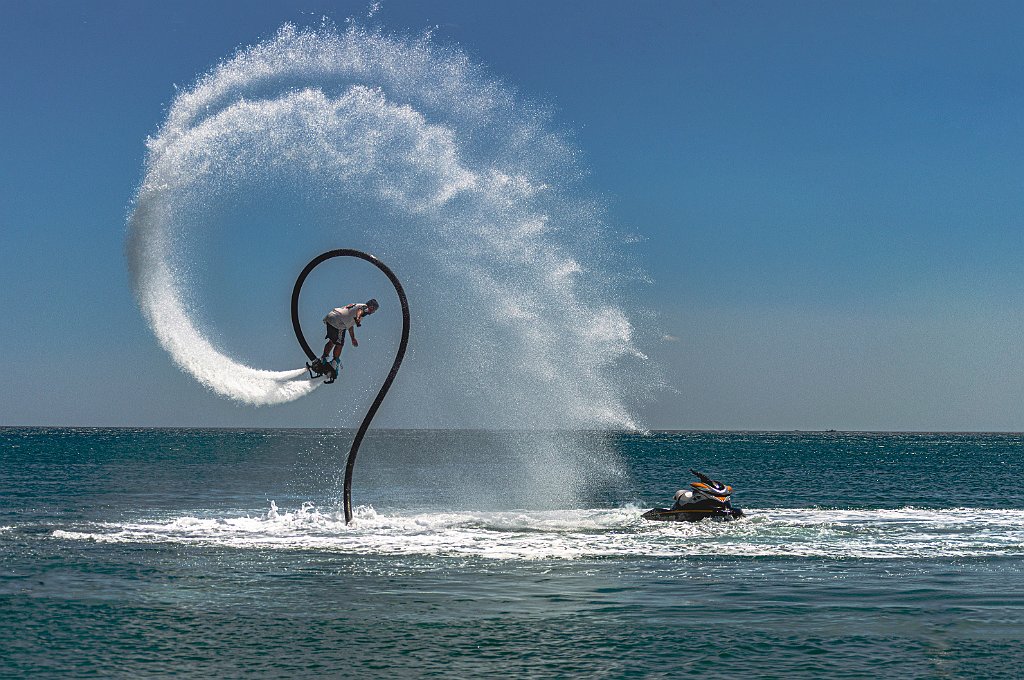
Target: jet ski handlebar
{"x":704,"y":478}
{"x":714,"y":486}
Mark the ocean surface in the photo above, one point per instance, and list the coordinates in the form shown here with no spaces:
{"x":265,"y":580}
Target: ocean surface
{"x":224,"y":553}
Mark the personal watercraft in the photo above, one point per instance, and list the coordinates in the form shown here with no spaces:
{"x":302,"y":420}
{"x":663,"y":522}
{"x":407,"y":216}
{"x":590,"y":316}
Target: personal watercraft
{"x":707,"y":498}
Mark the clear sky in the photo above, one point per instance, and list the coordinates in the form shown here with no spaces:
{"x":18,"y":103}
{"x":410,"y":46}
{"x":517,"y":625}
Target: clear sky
{"x":828,"y":195}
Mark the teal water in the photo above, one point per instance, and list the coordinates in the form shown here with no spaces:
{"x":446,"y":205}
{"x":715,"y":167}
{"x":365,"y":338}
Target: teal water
{"x":219,"y":553}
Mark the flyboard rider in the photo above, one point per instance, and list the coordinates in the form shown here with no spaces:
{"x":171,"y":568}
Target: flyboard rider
{"x":341,"y":321}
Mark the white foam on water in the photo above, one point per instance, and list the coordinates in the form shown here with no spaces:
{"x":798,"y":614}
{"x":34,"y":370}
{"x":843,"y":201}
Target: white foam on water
{"x":592,"y":533}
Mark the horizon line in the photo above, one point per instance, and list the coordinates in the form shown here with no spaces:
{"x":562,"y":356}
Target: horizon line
{"x":254,"y":428}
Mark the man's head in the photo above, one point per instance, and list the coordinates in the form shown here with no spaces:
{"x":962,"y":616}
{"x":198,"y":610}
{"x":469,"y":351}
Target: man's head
{"x":371,"y":306}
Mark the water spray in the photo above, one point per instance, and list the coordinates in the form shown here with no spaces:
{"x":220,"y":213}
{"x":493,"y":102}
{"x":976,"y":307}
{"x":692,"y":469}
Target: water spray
{"x":478,"y":193}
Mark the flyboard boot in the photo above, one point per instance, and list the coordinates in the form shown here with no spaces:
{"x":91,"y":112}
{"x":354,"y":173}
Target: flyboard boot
{"x":332,"y":368}
{"x":316,"y":368}
{"x":323,"y":366}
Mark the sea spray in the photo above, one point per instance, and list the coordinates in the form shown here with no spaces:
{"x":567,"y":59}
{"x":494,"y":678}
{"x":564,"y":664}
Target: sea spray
{"x":467,"y":193}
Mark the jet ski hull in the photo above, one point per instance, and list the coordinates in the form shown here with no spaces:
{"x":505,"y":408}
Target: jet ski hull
{"x":691,"y":514}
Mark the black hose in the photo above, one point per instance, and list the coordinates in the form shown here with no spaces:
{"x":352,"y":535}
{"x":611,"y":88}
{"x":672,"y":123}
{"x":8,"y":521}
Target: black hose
{"x":323,"y":257}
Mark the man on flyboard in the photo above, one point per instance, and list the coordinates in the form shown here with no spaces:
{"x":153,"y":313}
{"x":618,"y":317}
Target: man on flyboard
{"x":340,"y":321}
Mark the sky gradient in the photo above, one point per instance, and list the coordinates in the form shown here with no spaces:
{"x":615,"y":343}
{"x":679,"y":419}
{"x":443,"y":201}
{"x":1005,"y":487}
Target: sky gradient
{"x":825,"y":198}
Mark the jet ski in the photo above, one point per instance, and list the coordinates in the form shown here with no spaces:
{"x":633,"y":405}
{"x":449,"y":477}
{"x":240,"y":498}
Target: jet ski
{"x":707,"y":498}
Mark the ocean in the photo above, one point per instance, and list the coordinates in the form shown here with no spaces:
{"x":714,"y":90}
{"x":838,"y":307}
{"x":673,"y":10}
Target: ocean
{"x":224,"y":553}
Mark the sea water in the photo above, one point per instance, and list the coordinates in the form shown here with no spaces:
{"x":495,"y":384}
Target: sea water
{"x":220,"y":553}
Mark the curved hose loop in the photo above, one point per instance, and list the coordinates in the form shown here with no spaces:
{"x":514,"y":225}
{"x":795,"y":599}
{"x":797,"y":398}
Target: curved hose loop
{"x":364,"y":426}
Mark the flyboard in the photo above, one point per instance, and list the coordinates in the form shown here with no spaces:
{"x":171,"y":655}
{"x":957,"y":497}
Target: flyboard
{"x":319,"y":368}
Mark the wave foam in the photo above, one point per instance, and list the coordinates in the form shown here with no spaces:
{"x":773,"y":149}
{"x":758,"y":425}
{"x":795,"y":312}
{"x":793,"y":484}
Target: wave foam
{"x":593,"y":533}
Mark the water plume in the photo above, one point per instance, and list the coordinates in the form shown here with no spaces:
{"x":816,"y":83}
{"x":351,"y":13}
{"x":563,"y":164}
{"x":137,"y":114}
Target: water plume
{"x":471,"y":192}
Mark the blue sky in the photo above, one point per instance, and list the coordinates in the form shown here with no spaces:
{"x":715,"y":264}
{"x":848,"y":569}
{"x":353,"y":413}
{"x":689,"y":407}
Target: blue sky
{"x":828,"y":195}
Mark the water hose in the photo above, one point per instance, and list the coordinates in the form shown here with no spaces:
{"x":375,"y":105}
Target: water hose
{"x":372,"y":411}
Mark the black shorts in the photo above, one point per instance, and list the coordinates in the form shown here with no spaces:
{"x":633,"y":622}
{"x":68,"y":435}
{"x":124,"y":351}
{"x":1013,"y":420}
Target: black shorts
{"x":335,"y":335}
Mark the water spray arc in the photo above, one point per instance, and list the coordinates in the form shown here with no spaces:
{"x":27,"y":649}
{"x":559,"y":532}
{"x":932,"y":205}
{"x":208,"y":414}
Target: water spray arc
{"x":477,"y":191}
{"x":372,"y":411}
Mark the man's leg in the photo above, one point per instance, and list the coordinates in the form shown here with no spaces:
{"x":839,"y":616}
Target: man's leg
{"x":337,"y":348}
